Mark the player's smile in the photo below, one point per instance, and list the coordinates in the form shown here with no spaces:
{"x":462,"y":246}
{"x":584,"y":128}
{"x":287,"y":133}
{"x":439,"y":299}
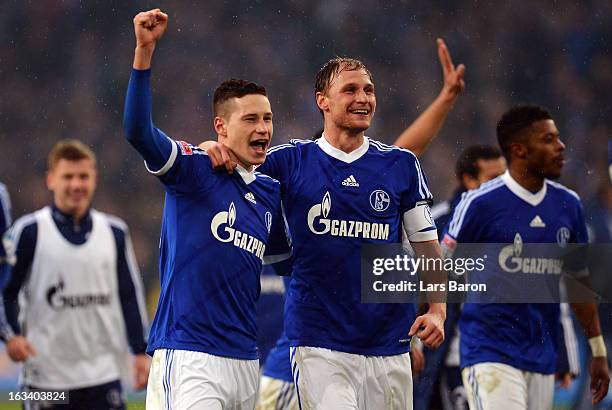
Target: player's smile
{"x":260,"y":145}
{"x":360,"y":111}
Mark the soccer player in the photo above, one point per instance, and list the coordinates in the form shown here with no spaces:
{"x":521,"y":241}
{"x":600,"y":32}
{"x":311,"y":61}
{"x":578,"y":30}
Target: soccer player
{"x":509,"y":351}
{"x":214,"y":233}
{"x":74,"y":301}
{"x":340,"y":192}
{"x":276,"y":390}
{"x":440,"y":382}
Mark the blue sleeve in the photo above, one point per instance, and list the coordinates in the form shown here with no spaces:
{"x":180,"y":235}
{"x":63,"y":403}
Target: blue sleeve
{"x":154,"y":146}
{"x":181,"y":166}
{"x":464,"y":225}
{"x":281,"y":163}
{"x":417,"y":190}
{"x":130,"y":292}
{"x":23,"y":239}
{"x":415,"y":199}
{"x":581,"y":233}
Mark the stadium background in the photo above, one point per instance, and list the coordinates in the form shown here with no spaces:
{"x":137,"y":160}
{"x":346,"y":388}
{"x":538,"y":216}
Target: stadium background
{"x":64,"y":67}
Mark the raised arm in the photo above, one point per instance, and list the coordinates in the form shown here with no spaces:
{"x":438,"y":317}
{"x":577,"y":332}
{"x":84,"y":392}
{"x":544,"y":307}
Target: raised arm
{"x":155,"y":147}
{"x":424,"y":129}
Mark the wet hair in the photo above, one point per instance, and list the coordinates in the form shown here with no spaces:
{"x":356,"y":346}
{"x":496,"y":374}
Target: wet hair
{"x":334,"y":67}
{"x":71,"y":150}
{"x":467,"y":163}
{"x":514,"y":122}
{"x":234,"y":88}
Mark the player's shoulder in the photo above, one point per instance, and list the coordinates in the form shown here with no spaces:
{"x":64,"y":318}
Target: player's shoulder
{"x":559,"y":189}
{"x":293,"y":146}
{"x":113,"y":221}
{"x":27,"y":224}
{"x":186,"y":148}
{"x":267,"y":180}
{"x":3,"y":191}
{"x":383,"y":149}
{"x":483,"y":195}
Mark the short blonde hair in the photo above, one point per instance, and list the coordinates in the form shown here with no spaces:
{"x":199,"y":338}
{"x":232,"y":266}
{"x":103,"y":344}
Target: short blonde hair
{"x":71,"y":150}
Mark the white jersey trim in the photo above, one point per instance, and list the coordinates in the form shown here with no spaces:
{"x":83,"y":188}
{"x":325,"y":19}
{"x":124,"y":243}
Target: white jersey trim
{"x":132,"y":264}
{"x":340,"y":155}
{"x":19,"y":226}
{"x":569,"y":336}
{"x":466,"y":199}
{"x":247,"y":176}
{"x":5,"y":200}
{"x":426,"y":236}
{"x":533,"y":199}
{"x":163,"y":170}
{"x":563,"y":188}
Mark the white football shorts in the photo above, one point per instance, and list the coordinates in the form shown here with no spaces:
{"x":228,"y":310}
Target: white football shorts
{"x":331,"y":380}
{"x":497,"y":386}
{"x":276,"y":394}
{"x":181,"y":379}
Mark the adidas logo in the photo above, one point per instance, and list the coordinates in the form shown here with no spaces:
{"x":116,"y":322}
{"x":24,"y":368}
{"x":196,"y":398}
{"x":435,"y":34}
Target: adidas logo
{"x":250,"y":197}
{"x":537,"y":222}
{"x":350,"y":181}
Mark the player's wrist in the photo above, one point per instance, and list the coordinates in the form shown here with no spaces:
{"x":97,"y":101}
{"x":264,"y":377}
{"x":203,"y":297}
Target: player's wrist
{"x":150,"y":46}
{"x":438,"y":309}
{"x":598,"y":346}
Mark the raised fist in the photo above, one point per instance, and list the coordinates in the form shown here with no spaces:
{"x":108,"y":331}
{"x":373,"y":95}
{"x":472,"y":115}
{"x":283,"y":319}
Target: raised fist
{"x":149,"y":26}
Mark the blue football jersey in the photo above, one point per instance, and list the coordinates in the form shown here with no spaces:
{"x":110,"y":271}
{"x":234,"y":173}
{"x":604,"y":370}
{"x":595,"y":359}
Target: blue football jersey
{"x":522,"y":335}
{"x":214,"y":233}
{"x":334,"y":202}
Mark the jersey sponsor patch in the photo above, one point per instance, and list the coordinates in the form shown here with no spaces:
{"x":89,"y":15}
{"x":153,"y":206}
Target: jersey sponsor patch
{"x":185,"y":148}
{"x":320,"y":224}
{"x":222,"y":228}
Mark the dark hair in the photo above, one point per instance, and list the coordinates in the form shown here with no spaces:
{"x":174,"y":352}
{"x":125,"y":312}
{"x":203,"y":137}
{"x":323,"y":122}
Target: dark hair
{"x":71,"y":150}
{"x":467,"y":163}
{"x":515,"y":121}
{"x":234,"y":88}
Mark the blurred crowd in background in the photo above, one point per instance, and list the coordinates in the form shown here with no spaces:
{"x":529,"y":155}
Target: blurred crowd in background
{"x":64,"y":68}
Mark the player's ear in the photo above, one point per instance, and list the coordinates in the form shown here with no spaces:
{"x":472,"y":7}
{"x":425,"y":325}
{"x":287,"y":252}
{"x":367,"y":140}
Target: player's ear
{"x":220,"y":126}
{"x":50,"y":184}
{"x":322,"y":101}
{"x":518,"y":150}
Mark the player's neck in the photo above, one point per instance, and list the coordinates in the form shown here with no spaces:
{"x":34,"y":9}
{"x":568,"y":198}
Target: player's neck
{"x":247,"y":167}
{"x":76,"y":216}
{"x":344,"y":140}
{"x":529,"y":181}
